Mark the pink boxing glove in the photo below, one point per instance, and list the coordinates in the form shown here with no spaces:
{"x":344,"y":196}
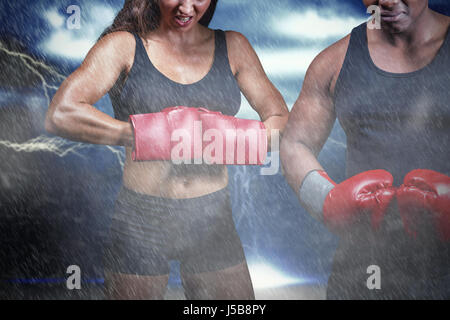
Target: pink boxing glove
{"x":177,"y":133}
{"x":173,"y":134}
{"x":230,"y":140}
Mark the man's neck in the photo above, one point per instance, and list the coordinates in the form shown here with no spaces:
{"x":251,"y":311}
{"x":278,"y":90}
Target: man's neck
{"x":418,"y":33}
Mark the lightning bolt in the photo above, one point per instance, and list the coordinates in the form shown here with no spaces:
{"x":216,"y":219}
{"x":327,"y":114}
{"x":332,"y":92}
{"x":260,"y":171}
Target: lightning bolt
{"x":118,"y":153}
{"x":340,"y":144}
{"x":59,"y":146}
{"x":25,"y":57}
{"x":27,"y":61}
{"x":56,"y":145}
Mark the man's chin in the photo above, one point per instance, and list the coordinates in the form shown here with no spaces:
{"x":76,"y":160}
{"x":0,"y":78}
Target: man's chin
{"x":396,"y":27}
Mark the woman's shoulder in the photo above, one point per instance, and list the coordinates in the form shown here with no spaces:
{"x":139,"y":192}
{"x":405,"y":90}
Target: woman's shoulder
{"x":118,"y":46}
{"x":235,"y":37}
{"x":237,"y":42}
{"x":240,"y":51}
{"x":124,"y":38}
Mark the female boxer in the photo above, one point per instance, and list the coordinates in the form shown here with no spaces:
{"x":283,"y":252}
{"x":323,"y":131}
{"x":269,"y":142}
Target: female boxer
{"x":158,"y":54}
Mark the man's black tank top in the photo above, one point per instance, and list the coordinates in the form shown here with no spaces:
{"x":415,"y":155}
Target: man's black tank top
{"x":147,"y":90}
{"x":396,"y":122}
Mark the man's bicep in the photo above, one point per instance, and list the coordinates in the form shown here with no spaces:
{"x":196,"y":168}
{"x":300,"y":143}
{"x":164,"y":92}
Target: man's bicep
{"x":312,"y":116}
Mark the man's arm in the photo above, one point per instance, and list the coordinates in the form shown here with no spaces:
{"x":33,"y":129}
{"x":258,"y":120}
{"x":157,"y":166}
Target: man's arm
{"x":312,"y":116}
{"x":341,"y":205}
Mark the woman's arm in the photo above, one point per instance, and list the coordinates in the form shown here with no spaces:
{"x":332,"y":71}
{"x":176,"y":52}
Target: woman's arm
{"x":71,"y":113}
{"x":254,"y":84}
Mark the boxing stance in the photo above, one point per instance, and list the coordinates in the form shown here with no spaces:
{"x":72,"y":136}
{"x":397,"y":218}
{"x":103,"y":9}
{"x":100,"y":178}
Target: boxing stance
{"x":175,"y":87}
{"x":389,"y":89}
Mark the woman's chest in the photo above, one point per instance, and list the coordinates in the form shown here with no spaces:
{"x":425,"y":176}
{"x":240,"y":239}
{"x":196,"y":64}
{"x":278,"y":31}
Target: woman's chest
{"x":182,"y":65}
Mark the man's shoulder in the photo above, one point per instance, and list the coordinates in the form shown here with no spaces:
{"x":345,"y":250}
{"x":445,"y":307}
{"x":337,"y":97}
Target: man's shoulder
{"x":335,"y":51}
{"x":328,"y":63}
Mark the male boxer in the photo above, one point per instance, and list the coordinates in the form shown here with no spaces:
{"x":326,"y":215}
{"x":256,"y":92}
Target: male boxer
{"x":390,"y":90}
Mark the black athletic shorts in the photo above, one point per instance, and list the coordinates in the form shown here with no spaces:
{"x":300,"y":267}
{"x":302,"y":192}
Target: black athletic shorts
{"x":147,"y":232}
{"x":408,"y":268}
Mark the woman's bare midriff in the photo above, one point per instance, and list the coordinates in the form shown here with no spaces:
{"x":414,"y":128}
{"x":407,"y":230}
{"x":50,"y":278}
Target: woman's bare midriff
{"x":167,"y":180}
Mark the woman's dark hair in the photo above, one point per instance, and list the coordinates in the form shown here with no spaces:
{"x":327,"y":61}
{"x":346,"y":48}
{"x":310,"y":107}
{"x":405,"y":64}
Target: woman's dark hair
{"x":142,"y":16}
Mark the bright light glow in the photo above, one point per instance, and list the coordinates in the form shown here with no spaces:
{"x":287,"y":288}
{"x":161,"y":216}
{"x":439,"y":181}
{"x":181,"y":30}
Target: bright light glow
{"x":54,"y":18}
{"x":247,"y":112}
{"x":308,"y":25}
{"x":265,"y":276}
{"x":75,"y":44}
{"x":62,"y":43}
{"x":102,"y":13}
{"x":291,"y":62}
{"x":312,"y":24}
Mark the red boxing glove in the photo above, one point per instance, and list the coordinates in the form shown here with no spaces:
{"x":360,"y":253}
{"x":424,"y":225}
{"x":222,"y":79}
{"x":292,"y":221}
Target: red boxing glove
{"x":425,"y":192}
{"x":173,"y":134}
{"x":339,"y":206}
{"x":233,"y":140}
{"x":369,"y":192}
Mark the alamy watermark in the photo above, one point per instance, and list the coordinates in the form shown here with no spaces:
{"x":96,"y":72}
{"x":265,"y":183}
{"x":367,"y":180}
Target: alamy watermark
{"x":230,"y":146}
{"x":374,"y":280}
{"x":74,"y":279}
{"x":374,"y":21}
{"x":74,"y":21}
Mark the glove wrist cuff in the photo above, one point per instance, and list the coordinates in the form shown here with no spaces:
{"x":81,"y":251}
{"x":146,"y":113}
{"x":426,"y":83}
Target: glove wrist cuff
{"x":312,"y":193}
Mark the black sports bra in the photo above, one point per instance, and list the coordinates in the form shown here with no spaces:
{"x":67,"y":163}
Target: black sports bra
{"x":148,"y":90}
